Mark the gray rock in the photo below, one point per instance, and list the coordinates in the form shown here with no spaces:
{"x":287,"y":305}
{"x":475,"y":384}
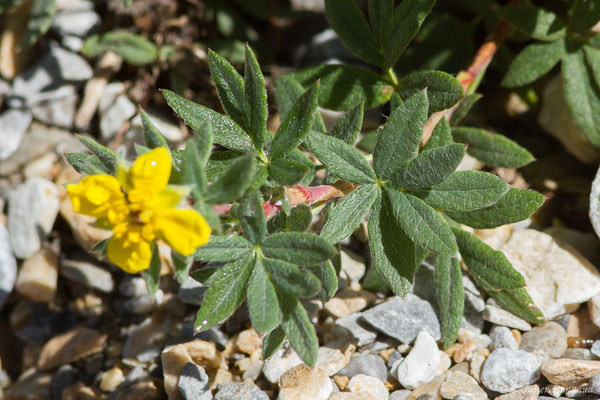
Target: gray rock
{"x":33,"y":206}
{"x":8,"y":266}
{"x":550,"y":338}
{"x":578,"y":354}
{"x":403,"y":319}
{"x":65,"y":376}
{"x":88,"y":274}
{"x":114,"y":108}
{"x":192,"y":292}
{"x":351,"y":325}
{"x":394,"y":357}
{"x":399,"y":394}
{"x":595,"y":349}
{"x":424,"y":285}
{"x":143,"y":304}
{"x":427,"y":397}
{"x":212,"y":335}
{"x":594,"y":385}
{"x":369,"y":364}
{"x":132,"y":286}
{"x":240,"y":391}
{"x":502,"y":338}
{"x":13,"y":125}
{"x":472,"y":318}
{"x":56,"y":107}
{"x":77,"y":19}
{"x":193,"y":383}
{"x":498,"y":316}
{"x":507,"y":370}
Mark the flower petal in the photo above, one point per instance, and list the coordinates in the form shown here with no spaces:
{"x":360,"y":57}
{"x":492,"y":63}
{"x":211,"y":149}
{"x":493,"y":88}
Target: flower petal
{"x":170,"y":196}
{"x":151,"y":171}
{"x":131,"y":257}
{"x":97,"y":195}
{"x":183,"y":230}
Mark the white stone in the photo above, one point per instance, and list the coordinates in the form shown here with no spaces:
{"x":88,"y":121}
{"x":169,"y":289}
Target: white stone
{"x":284,"y":359}
{"x":8,"y":266}
{"x":370,"y":384}
{"x":13,"y":125}
{"x":56,"y":107}
{"x":420,"y":365}
{"x":77,"y":19}
{"x":498,"y":316}
{"x":114,"y":108}
{"x":352,"y":269}
{"x":305,"y":383}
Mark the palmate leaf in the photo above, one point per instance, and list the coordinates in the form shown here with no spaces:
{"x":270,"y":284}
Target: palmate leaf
{"x":272,"y":341}
{"x":288,"y":278}
{"x":224,"y":248}
{"x":297,"y":247}
{"x":327,"y":275}
{"x":441,"y":135}
{"x":288,"y":91}
{"x":262,"y":299}
{"x":443,"y":90}
{"x":534,"y":61}
{"x":450,"y":297}
{"x":298,"y":328}
{"x":252,"y":217}
{"x":233,"y":182}
{"x":347,"y":126}
{"x":534,"y":21}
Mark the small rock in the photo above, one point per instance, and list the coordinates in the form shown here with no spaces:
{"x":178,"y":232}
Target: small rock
{"x":550,"y":338}
{"x":595,"y":349}
{"x":69,"y":347}
{"x":498,"y":316}
{"x":13,"y":125}
{"x":88,"y":274}
{"x":570,"y":373}
{"x":359,"y":330}
{"x":352,"y":396}
{"x":77,"y":19}
{"x":431,"y":389}
{"x":253,"y":371}
{"x":38,"y":276}
{"x":476,"y":364}
{"x":31,"y":384}
{"x":507,"y":370}
{"x":580,"y":325}
{"x":240,"y":391}
{"x":304,"y":383}
{"x":144,"y":304}
{"x":555,"y":390}
{"x":369,"y":364}
{"x":56,"y":107}
{"x":192,"y":292}
{"x":284,"y":359}
{"x":132,"y":286}
{"x":368,"y":384}
{"x":8,"y":266}
{"x":111,"y":379}
{"x":420,"y":364}
{"x":147,"y":389}
{"x":403,"y":319}
{"x":527,"y":393}
{"x":352,"y":269}
{"x":401,"y":394}
{"x":193,"y":383}
{"x":248,"y":341}
{"x":42,"y":166}
{"x":332,"y":360}
{"x":115,"y":108}
{"x":348,"y":302}
{"x":594,"y":385}
{"x":593,"y":306}
{"x":502,"y":338}
{"x":460,"y":383}
{"x":65,"y":376}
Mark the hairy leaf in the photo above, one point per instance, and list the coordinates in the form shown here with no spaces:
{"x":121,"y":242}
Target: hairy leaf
{"x":233,"y":183}
{"x":223,"y":248}
{"x":534,"y":61}
{"x":255,"y":95}
{"x":288,"y":278}
{"x":297,"y":247}
{"x":534,"y":21}
{"x":287,"y":172}
{"x":133,"y":48}
{"x":252,"y":217}
{"x":450,"y":297}
{"x":152,"y":274}
{"x":430,"y":167}
{"x":441,"y":136}
{"x":152,"y":136}
{"x":86,"y":164}
{"x":443,"y":90}
{"x":326,"y":274}
{"x":262,"y":300}
{"x":106,"y":155}
{"x":348,"y":125}
{"x":583,"y":15}
{"x":288,"y":91}
{"x":298,"y":328}
{"x":272,"y":341}
{"x":230,"y":87}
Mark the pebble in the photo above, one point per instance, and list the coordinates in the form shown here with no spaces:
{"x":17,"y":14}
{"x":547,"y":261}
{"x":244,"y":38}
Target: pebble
{"x":304,"y":383}
{"x":530,"y":392}
{"x":369,"y":384}
{"x":8,"y":266}
{"x":498,"y":316}
{"x":33,"y":206}
{"x":550,"y":338}
{"x":348,"y":302}
{"x":115,"y":108}
{"x":69,"y":347}
{"x":403,"y":319}
{"x":507,"y":370}
{"x":193,"y":383}
{"x":368,"y":364}
{"x":431,"y":388}
{"x":77,"y":19}
{"x":240,"y":391}
{"x":42,"y":166}
{"x":284,"y":359}
{"x":192,"y":292}
{"x":476,"y":364}
{"x":502,"y":338}
{"x":147,"y":389}
{"x":144,"y":304}
{"x":352,"y":269}
{"x":13,"y":125}
{"x":111,"y":379}
{"x":353,"y":326}
{"x":420,"y":365}
{"x":65,"y":376}
{"x":570,"y":373}
{"x":401,"y":394}
{"x":458,"y":383}
{"x":248,"y":341}
{"x":595,"y":349}
{"x":555,"y":390}
{"x":38,"y":275}
{"x":31,"y":384}
{"x":593,"y":306}
{"x":56,"y":107}
{"x":332,"y":360}
{"x":88,"y":274}
{"x":594,"y":385}
{"x":352,"y":396}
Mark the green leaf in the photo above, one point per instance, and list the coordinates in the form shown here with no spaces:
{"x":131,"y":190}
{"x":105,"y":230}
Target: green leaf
{"x":464,"y":107}
{"x":421,"y":223}
{"x":100,"y":247}
{"x":486,"y":265}
{"x":287,"y":172}
{"x":152,"y":136}
{"x":192,"y":170}
{"x":298,"y":328}
{"x":106,"y":155}
{"x":226,"y":293}
{"x":464,"y":191}
{"x":288,"y":91}
{"x":534,"y":61}
{"x":341,"y":159}
{"x":233,"y":182}
{"x":534,"y":21}
{"x":86,"y":164}
{"x":255,"y":95}
{"x":327,"y":275}
{"x":40,"y":19}
{"x":204,"y":275}
{"x":391,"y":248}
{"x":296,"y":125}
{"x":226,"y":132}
{"x":346,"y":214}
{"x":290,"y":279}
{"x":583,"y":15}
{"x":262,"y":300}
{"x":592,"y":56}
{"x":230,"y":87}
{"x":516,"y":205}
{"x":493,"y":149}
{"x":350,"y":24}
{"x":450,"y":297}
{"x":343,"y":87}
{"x":152,"y":274}
{"x":430,"y":167}
{"x":347,"y":126}
{"x":181,"y":265}
{"x":223,"y":248}
{"x":133,"y":48}
{"x":405,"y":24}
{"x":518,"y":302}
{"x":297,"y":247}
{"x":272,"y":341}
{"x":252,"y":217}
{"x":398,"y":141}
{"x":299,"y":219}
{"x":443,"y":90}
{"x":380,"y":16}
{"x":582,"y":95}
{"x":441,"y":135}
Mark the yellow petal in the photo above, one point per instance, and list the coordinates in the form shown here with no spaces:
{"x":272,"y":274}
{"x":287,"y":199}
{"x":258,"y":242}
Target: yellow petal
{"x":183,"y":230}
{"x":131,"y":257}
{"x":170,"y":196}
{"x":151,"y":171}
{"x":97,"y":195}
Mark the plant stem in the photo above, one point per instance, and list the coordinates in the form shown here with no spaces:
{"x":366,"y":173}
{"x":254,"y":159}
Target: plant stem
{"x":392,"y":76}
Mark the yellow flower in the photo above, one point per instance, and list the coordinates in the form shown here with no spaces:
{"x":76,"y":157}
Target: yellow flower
{"x":138,"y":206}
